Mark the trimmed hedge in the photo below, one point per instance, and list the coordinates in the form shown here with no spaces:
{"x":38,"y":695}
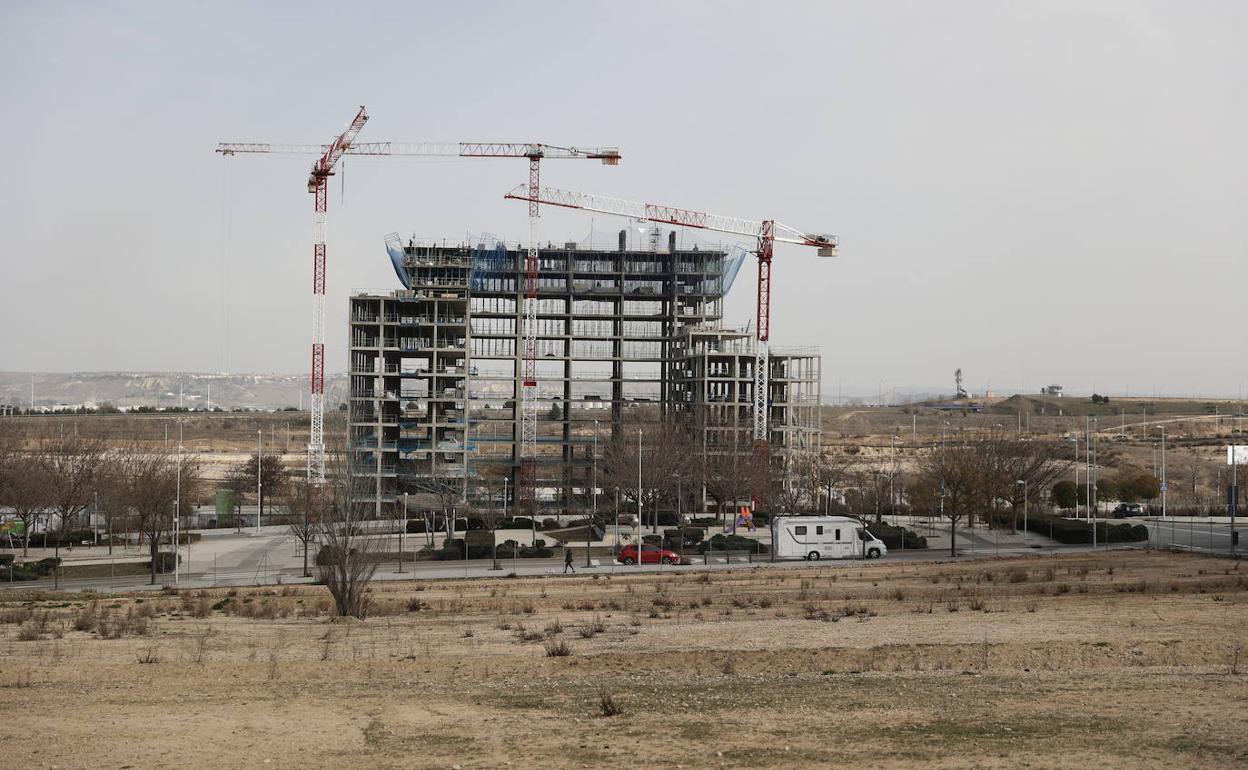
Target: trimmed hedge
{"x":684,"y":537}
{"x":417,"y":526}
{"x":1072,"y":532}
{"x":517,"y":522}
{"x":721,"y":542}
{"x":32,"y":570}
{"x":164,"y":562}
{"x":893,"y":536}
{"x":511,"y":550}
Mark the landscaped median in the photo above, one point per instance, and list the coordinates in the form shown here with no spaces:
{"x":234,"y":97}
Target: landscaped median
{"x":44,"y":569}
{"x":1074,"y":532}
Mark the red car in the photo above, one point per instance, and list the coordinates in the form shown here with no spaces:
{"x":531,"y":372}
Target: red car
{"x":650,"y":554}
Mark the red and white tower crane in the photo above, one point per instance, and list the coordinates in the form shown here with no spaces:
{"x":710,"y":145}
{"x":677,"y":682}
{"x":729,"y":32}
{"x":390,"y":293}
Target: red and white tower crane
{"x":323,"y":168}
{"x":767,"y":233}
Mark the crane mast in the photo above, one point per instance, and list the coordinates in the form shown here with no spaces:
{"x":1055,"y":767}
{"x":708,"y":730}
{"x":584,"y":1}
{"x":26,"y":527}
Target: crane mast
{"x":318,"y":185}
{"x":766,"y":232}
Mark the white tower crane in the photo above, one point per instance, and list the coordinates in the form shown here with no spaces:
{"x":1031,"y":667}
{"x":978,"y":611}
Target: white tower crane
{"x":318,"y":184}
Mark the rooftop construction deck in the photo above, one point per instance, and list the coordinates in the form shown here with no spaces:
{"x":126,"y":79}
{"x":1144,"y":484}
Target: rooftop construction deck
{"x":622,"y":336}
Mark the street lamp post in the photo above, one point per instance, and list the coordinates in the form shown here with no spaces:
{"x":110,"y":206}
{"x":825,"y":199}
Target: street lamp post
{"x":402,"y":532}
{"x":593,"y":505}
{"x":1163,"y":471}
{"x":259,"y":486}
{"x":1024,"y":483}
{"x":892,"y":479}
{"x":639,"y":543}
{"x":1092,"y":482}
{"x":177,"y":510}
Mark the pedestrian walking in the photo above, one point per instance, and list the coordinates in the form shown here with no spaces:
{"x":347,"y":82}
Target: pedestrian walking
{"x":567,"y":561}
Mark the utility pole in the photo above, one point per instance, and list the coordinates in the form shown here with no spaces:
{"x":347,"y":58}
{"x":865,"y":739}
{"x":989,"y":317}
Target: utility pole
{"x":1095,"y":508}
{"x":1163,"y":471}
{"x":1024,"y":483}
{"x":403,"y":533}
{"x":593,"y":491}
{"x":259,"y":485}
{"x":177,"y":511}
{"x":639,"y":542}
{"x":1233,"y":495}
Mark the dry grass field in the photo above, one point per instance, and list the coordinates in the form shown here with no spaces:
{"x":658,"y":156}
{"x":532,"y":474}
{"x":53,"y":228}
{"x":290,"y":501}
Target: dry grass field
{"x":1127,"y":660}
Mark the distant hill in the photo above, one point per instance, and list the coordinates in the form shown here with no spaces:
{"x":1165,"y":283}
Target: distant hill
{"x":228,"y":391}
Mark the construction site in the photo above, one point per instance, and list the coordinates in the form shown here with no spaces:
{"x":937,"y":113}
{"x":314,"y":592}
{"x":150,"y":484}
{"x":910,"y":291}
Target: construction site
{"x":621,"y":337}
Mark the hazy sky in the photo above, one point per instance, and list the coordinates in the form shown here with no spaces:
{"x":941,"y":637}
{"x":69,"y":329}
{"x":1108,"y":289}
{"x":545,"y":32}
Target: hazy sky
{"x":1035,"y":192}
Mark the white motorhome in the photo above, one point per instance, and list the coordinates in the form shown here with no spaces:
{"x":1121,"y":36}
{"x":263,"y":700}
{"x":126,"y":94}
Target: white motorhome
{"x":823,"y":537}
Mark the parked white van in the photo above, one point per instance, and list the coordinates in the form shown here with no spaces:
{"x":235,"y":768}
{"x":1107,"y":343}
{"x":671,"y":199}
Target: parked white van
{"x":823,"y":537}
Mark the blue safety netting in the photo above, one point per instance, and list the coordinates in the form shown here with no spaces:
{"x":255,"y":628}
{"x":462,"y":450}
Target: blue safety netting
{"x":732,"y":264}
{"x":394,"y":247}
{"x":488,"y":261}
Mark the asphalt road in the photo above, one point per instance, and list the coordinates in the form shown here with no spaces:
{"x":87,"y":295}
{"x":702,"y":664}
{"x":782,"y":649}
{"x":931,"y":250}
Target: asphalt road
{"x":1198,"y":536}
{"x":226,"y":558}
{"x":255,"y":562}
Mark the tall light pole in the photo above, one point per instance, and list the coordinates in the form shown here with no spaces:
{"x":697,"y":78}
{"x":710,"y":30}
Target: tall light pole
{"x":1234,"y":493}
{"x":639,"y":543}
{"x":892,"y":479}
{"x":402,"y":531}
{"x":177,"y":509}
{"x":593,"y":491}
{"x":1024,"y":483}
{"x":1087,"y":464}
{"x":1092,"y":485}
{"x":1163,"y":471}
{"x":1075,"y":465}
{"x":259,"y":485}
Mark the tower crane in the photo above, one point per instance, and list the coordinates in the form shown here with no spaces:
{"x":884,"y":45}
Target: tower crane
{"x":767,"y":233}
{"x":318,"y":184}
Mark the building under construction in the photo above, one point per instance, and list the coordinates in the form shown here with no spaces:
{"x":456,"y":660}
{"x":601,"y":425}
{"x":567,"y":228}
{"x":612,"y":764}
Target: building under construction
{"x":622,"y":335}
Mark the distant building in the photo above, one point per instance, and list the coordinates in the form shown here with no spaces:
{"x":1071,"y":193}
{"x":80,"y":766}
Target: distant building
{"x":1051,"y":390}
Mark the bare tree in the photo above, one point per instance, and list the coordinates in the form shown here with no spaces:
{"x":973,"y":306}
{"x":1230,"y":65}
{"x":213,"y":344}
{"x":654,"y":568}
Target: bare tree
{"x":726,"y":475}
{"x":973,"y":477}
{"x":27,"y":494}
{"x":824,"y":471}
{"x":666,"y":464}
{"x":113,"y":504}
{"x":239,"y":485}
{"x":345,"y":564}
{"x":10,"y":453}
{"x":71,"y":463}
{"x":953,"y":472}
{"x":302,"y":505}
{"x":447,"y":490}
{"x":273,"y":477}
{"x":152,"y":477}
{"x":1010,"y":469}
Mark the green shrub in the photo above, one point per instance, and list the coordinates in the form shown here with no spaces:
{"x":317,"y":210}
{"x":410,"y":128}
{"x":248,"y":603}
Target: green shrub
{"x":684,"y":537}
{"x":513,"y":550}
{"x":454,"y":550}
{"x":896,"y":537}
{"x":517,"y":522}
{"x":44,"y":567}
{"x":721,"y":542}
{"x":1071,"y":532}
{"x":164,"y":561}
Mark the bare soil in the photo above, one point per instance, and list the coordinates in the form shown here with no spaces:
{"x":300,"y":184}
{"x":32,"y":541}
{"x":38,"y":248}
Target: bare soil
{"x":1114,"y":660}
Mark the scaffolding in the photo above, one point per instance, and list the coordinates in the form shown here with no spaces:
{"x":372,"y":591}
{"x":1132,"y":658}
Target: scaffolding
{"x":436,"y":368}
